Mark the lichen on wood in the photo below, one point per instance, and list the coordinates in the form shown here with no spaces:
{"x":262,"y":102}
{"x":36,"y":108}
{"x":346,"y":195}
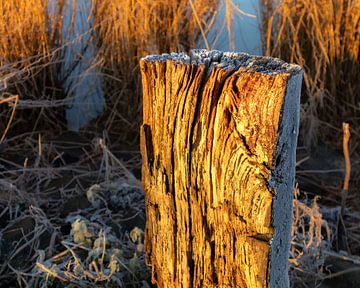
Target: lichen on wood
{"x":218,"y":145}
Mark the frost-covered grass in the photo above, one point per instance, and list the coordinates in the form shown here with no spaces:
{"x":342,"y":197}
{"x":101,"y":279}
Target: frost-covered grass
{"x":70,"y":217}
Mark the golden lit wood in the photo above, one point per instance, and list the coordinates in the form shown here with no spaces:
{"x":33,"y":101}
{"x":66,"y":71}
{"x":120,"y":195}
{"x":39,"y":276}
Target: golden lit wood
{"x":218,"y":144}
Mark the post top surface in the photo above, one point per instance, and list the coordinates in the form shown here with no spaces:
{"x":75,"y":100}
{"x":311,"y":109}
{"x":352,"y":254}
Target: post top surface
{"x":234,"y":60}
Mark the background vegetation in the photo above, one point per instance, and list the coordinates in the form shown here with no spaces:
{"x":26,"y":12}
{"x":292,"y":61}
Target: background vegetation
{"x":71,"y":207}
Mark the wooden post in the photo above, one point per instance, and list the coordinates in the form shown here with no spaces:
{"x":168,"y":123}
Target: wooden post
{"x":218,"y":147}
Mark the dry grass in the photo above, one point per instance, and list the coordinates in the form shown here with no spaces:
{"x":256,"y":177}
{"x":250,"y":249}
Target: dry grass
{"x":37,"y":180}
{"x":324,"y":38}
{"x":311,"y":237}
{"x":95,"y":194}
{"x":127,"y":30}
{"x":25,"y":29}
{"x":34,"y":39}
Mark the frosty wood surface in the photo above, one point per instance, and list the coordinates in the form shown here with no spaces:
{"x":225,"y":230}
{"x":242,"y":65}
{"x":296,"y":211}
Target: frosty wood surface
{"x":218,"y":145}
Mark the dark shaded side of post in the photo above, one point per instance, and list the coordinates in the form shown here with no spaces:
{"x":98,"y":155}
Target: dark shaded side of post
{"x":218,"y":145}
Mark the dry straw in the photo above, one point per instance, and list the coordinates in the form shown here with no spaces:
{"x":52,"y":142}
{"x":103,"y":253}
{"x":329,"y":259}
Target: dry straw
{"x":125,"y":31}
{"x":33,"y":40}
{"x":324,"y":38}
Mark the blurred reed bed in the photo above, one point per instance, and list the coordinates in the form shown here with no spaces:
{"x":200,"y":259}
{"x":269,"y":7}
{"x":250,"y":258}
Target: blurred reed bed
{"x":33,"y":36}
{"x":125,"y":31}
{"x":28,"y":28}
{"x":324,"y":38}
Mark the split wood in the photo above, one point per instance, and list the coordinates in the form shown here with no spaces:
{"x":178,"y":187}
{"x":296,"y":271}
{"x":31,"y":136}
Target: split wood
{"x":218,"y":145}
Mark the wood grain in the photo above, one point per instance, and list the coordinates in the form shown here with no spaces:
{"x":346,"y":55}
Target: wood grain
{"x":218,"y":145}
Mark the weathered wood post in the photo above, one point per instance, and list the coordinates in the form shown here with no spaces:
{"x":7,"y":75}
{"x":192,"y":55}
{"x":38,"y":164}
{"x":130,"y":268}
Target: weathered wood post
{"x":218,"y":147}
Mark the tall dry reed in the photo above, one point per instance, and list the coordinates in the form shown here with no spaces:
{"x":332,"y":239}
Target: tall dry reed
{"x":29,"y":28}
{"x":127,"y":30}
{"x":324,"y":37}
{"x":34,"y":37}
{"x":31,"y":55}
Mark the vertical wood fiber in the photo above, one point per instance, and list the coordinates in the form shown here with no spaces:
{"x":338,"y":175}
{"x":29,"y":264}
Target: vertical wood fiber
{"x":218,"y":146}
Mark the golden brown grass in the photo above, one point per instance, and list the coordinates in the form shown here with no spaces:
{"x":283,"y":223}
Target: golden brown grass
{"x":31,"y":55}
{"x":128,"y":30}
{"x":29,"y":28}
{"x":324,"y":38}
{"x":32,"y":50}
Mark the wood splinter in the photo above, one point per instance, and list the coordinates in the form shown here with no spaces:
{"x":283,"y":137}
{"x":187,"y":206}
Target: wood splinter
{"x":218,"y":145}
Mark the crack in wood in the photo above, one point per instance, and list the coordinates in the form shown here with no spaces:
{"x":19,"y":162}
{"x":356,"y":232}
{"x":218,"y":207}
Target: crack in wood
{"x":149,"y":146}
{"x":262,"y":237}
{"x":215,"y":121}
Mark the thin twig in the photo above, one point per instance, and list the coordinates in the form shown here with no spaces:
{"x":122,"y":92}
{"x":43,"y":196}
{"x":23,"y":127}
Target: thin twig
{"x":16,"y":97}
{"x":199,"y":24}
{"x":347,"y":165}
